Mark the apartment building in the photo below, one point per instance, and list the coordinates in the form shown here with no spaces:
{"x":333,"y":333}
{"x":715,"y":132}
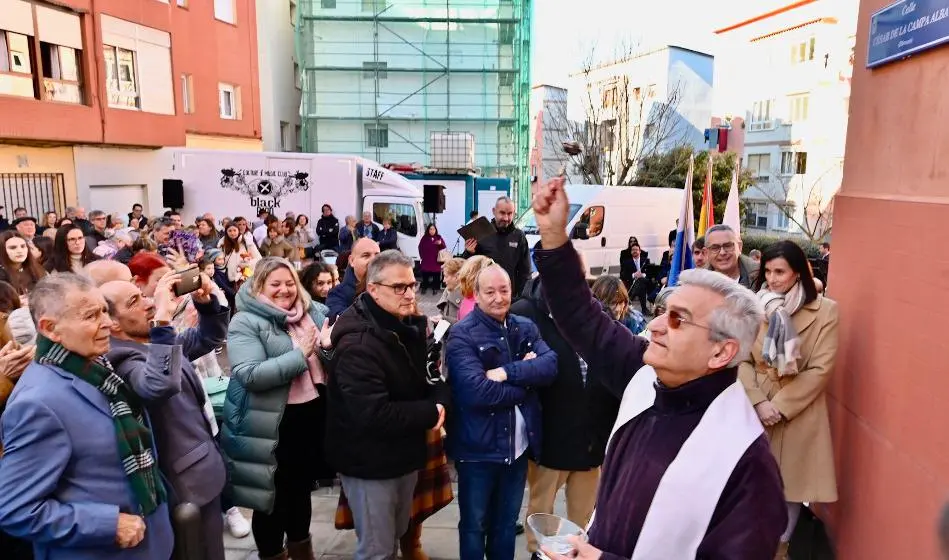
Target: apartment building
{"x":549,"y":130}
{"x":789,"y":73}
{"x":89,"y":89}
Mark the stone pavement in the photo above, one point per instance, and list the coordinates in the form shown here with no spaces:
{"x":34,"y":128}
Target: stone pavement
{"x":439,"y":535}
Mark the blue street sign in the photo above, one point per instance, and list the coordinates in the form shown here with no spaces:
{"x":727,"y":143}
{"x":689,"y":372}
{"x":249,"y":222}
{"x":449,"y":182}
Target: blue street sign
{"x":905,"y":28}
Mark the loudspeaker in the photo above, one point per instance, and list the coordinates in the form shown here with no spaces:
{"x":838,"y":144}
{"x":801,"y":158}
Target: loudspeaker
{"x":434,"y":199}
{"x":173,"y":193}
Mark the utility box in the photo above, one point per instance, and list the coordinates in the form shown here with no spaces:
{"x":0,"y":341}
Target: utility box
{"x":452,"y":151}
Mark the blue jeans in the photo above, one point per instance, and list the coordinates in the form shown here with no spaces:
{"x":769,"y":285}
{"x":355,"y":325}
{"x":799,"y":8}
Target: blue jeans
{"x":489,"y":500}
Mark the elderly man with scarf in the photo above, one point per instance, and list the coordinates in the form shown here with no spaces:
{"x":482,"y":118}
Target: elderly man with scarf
{"x":688,"y":471}
{"x":80,"y":471}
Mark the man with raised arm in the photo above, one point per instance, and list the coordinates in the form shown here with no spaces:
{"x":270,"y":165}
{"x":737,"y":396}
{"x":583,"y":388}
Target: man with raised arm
{"x":688,"y":472}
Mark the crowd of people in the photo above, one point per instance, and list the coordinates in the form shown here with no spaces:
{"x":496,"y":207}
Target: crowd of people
{"x":697,"y":434}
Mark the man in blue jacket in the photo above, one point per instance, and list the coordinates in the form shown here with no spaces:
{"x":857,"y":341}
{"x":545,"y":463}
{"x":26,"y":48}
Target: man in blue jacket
{"x":495,"y":362}
{"x":80,"y":473}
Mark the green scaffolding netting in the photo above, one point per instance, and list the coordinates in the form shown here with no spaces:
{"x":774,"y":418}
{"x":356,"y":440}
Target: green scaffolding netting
{"x":379,"y":78}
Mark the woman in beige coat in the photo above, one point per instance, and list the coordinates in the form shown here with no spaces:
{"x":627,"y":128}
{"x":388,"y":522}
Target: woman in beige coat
{"x":786,"y":376}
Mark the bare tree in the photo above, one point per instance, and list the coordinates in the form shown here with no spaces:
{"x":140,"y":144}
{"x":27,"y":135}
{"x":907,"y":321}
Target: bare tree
{"x":814,"y":196}
{"x":621,"y":123}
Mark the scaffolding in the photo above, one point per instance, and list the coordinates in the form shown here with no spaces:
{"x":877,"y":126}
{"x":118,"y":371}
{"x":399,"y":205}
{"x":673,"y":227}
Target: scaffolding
{"x":388,"y":79}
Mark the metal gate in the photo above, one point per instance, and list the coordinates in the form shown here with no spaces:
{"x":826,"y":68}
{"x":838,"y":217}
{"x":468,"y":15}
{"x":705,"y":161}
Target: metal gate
{"x":37,"y":192}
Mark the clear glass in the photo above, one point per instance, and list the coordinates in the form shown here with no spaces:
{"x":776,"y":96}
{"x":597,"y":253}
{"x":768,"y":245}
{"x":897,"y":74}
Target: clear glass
{"x":553,"y":531}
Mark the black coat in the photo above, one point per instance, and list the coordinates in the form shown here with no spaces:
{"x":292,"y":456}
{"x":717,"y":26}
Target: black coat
{"x":508,"y":247}
{"x":577,"y":418}
{"x":380,"y":403}
{"x":327,"y":231}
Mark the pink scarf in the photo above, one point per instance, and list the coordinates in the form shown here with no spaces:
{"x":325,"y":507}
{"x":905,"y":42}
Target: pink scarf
{"x":303,"y":386}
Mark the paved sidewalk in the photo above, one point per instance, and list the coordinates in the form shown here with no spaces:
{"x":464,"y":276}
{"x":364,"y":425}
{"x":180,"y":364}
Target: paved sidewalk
{"x":439,"y":536}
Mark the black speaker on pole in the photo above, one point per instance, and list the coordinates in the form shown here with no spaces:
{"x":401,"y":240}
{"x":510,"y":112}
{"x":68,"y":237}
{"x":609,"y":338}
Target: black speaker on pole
{"x":433,"y":201}
{"x":173,"y":193}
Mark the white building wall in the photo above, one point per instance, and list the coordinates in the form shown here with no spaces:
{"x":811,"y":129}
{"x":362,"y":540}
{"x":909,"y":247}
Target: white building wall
{"x":279,"y":94}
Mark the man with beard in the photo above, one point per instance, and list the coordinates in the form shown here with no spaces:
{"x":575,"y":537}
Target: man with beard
{"x":507,"y":246}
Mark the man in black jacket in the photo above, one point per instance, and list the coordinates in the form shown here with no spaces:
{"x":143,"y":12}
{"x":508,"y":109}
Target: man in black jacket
{"x":381,"y":404}
{"x":507,"y":246}
{"x":573,"y":445}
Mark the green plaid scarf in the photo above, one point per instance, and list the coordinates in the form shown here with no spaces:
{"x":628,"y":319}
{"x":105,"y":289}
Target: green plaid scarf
{"x":132,"y":435}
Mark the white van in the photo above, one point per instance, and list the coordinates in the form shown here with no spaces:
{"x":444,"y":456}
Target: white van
{"x":608,"y":216}
{"x":233,"y":184}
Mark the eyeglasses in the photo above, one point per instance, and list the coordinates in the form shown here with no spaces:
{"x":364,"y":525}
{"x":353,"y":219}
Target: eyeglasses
{"x":676,"y":320}
{"x":400,"y":289}
{"x":727,"y":247}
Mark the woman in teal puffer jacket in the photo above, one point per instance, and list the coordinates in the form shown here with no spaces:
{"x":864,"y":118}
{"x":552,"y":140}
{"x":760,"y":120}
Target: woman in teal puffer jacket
{"x":274,"y":414}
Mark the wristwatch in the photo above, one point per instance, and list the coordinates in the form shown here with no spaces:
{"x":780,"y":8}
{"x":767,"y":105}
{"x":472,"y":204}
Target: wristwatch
{"x":155,"y":323}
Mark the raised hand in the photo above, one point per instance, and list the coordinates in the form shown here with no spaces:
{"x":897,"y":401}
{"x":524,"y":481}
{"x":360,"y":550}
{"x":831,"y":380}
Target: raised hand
{"x":551,"y":209}
{"x":165,"y":298}
{"x":326,"y":333}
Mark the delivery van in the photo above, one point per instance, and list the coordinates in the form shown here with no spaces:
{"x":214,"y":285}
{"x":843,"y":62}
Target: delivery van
{"x":601,"y":220}
{"x":233,"y":184}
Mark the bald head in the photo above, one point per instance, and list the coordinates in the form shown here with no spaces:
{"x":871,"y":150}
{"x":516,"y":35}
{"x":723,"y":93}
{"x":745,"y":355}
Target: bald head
{"x":104,"y":271}
{"x":130,"y":310}
{"x":364,"y":250}
{"x":493,"y":292}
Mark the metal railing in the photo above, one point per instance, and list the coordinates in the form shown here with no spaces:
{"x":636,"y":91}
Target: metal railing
{"x":37,"y":192}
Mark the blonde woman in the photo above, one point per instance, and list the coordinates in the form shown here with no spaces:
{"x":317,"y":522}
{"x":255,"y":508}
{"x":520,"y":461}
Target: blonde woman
{"x":275,"y":414}
{"x":450,"y":302}
{"x":466,"y":277}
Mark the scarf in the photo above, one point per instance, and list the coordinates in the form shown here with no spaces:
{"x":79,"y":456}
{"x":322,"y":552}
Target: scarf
{"x":781,"y":347}
{"x":300,"y":325}
{"x":132,"y":435}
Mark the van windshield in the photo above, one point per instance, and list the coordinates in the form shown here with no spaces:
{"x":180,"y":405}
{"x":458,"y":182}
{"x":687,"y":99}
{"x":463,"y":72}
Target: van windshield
{"x":528,"y":222}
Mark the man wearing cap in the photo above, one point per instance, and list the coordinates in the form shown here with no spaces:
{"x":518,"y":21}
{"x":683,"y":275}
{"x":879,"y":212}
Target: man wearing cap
{"x":26,"y":226}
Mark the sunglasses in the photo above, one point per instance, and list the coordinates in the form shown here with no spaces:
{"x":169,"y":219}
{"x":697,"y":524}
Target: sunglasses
{"x":676,"y":320}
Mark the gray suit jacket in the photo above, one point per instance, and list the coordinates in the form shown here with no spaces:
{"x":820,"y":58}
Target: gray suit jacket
{"x":162,"y":375}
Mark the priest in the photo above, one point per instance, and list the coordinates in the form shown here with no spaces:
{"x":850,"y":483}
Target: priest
{"x":688,"y":471}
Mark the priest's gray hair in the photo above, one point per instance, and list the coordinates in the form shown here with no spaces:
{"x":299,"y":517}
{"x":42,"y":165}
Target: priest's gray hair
{"x":739,"y":317}
{"x":384,"y":260}
{"x":48,"y":298}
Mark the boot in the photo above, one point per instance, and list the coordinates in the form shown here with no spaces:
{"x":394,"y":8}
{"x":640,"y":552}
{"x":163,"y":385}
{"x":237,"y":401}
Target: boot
{"x":782,"y":553}
{"x":281,"y":556}
{"x":301,"y":550}
{"x":411,"y":544}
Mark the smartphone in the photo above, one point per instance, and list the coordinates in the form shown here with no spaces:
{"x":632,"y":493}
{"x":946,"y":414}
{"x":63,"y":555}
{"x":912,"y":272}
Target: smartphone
{"x":190,"y":281}
{"x":440,"y":329}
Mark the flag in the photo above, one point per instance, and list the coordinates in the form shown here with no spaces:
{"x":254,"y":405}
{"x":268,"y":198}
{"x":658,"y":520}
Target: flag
{"x":707,"y":217}
{"x":732,"y":216}
{"x":685,"y":232}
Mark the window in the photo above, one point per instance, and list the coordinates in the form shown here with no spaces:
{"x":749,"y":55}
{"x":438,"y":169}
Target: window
{"x":607,"y":134}
{"x":298,"y":133}
{"x":183,"y":3}
{"x":403,"y":216}
{"x":61,"y":73}
{"x":756,"y":215}
{"x":296,"y":76}
{"x":608,"y":97}
{"x":285,"y":141}
{"x":228,"y":101}
{"x":506,"y":33}
{"x":593,"y":219}
{"x":803,"y":51}
{"x":506,"y":79}
{"x":793,"y":163}
{"x":374,"y":6}
{"x":761,"y":115}
{"x":14,"y":53}
{"x":121,"y":78}
{"x":371,"y":69}
{"x":760,"y":166}
{"x":225,"y":10}
{"x":187,"y":93}
{"x":781,"y":218}
{"x":800,"y":165}
{"x":797,"y":111}
{"x":328,"y":4}
{"x":293,"y":13}
{"x":377,"y":136}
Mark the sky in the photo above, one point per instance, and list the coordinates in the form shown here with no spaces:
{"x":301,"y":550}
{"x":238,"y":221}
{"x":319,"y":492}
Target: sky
{"x":567,"y":31}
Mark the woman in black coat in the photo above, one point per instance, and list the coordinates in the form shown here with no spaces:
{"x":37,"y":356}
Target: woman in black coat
{"x":578,"y":414}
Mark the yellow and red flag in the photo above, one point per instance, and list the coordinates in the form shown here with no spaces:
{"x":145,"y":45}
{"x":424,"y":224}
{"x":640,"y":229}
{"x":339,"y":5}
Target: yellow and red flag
{"x":707,"y":216}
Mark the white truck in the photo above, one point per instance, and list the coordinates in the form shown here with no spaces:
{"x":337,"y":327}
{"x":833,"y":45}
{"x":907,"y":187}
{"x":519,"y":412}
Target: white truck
{"x":233,"y":184}
{"x":601,"y":220}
